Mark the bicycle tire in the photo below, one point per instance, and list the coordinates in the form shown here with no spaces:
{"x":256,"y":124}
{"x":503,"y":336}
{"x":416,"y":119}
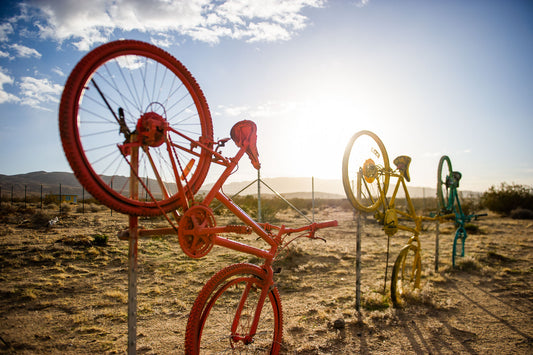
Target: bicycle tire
{"x":443,"y":191}
{"x":140,"y":79}
{"x":460,"y":234}
{"x":362,"y":147}
{"x":405,"y":274}
{"x":210,"y":321}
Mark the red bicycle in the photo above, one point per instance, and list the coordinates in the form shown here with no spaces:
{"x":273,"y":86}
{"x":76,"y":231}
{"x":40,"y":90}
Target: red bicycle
{"x":137,"y":132}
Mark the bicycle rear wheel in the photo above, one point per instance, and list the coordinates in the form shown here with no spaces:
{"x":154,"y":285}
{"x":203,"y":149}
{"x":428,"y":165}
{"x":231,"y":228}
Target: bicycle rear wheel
{"x":128,"y":89}
{"x":216,"y":311}
{"x":405,"y":274}
{"x":365,"y":157}
{"x":443,"y":189}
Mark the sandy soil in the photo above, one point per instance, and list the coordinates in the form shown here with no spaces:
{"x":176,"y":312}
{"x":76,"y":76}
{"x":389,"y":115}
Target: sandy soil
{"x":61,"y":293}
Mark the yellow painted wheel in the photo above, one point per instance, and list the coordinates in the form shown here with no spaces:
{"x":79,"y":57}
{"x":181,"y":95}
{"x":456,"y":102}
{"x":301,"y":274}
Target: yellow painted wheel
{"x":405,"y":274}
{"x":365,"y":168}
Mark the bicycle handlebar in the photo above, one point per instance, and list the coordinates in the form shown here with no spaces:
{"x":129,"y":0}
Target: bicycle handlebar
{"x":326,"y":224}
{"x":475,"y":216}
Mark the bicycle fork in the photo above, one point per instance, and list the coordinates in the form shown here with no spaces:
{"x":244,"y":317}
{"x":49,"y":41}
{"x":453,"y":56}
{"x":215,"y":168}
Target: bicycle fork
{"x":265,"y":289}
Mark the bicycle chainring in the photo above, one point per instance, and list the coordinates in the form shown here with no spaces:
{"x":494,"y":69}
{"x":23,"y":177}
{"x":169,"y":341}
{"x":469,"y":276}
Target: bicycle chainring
{"x":194,"y":242}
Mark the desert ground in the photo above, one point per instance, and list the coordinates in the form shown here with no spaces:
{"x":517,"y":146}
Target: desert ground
{"x":63,"y":288}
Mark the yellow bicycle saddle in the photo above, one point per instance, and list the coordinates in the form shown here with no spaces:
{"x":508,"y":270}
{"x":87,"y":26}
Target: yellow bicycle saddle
{"x":402,"y":163}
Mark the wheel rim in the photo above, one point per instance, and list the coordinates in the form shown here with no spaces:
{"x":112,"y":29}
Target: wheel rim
{"x":365,"y":156}
{"x":406,"y":275}
{"x":443,"y":191}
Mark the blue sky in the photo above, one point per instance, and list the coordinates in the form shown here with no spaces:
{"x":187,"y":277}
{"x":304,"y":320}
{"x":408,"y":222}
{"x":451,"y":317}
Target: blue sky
{"x":429,"y":77}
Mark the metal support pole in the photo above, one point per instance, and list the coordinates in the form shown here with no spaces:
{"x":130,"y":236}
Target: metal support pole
{"x":437,"y":248}
{"x":259,"y":219}
{"x":313,"y":196}
{"x":132,"y":259}
{"x":358,"y":251}
{"x":437,"y":237}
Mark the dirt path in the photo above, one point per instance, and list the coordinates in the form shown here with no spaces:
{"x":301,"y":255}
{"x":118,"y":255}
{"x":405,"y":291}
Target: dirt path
{"x":62,"y":293}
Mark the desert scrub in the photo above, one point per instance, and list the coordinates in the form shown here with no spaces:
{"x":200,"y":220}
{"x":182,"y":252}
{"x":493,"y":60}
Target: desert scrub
{"x":521,"y":213}
{"x":507,"y":198}
{"x":40,"y":219}
{"x":100,"y":240}
{"x":374,"y":301}
{"x":66,"y":208}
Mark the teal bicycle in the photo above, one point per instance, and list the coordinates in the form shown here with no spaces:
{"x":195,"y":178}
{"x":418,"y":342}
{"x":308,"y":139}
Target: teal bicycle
{"x":449,"y":205}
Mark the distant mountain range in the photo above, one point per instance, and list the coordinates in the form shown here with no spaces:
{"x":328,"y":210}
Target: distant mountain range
{"x":289,"y":187}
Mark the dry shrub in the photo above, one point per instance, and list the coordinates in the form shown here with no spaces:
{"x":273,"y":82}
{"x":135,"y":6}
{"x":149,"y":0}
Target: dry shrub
{"x":66,"y":208}
{"x":507,"y":198}
{"x":468,"y":263}
{"x":521,"y":213}
{"x":40,"y":219}
{"x":373,"y":301}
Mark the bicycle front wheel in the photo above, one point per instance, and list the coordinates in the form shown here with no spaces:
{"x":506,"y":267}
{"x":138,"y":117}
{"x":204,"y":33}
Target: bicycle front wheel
{"x":222,"y":315}
{"x":405,"y":274}
{"x":443,"y":188}
{"x":127,"y":89}
{"x":365,"y":168}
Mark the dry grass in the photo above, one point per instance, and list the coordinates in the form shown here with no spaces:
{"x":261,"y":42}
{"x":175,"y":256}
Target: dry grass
{"x":60,"y":292}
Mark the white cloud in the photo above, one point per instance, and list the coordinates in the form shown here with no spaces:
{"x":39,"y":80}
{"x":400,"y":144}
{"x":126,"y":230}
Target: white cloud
{"x":87,"y":23}
{"x":58,"y":71}
{"x":5,"y":30}
{"x":162,"y":40}
{"x":263,"y":110}
{"x":6,"y":97}
{"x":35,"y":92}
{"x":25,"y":52}
{"x":4,"y":54}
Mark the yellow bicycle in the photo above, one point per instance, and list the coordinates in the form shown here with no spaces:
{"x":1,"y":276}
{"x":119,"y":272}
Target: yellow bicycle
{"x":366,"y":175}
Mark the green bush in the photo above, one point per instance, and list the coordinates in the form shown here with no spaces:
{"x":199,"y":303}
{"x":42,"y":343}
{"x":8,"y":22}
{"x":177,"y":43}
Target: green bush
{"x":507,"y":198}
{"x":100,"y":239}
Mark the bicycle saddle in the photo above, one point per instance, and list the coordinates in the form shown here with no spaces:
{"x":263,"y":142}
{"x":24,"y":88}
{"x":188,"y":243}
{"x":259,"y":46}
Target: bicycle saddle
{"x":402,"y":164}
{"x":244,"y":134}
{"x":453,"y":179}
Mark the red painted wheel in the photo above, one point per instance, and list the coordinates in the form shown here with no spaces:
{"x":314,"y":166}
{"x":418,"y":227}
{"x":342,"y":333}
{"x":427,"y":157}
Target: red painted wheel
{"x":131,"y":91}
{"x":221,"y":317}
